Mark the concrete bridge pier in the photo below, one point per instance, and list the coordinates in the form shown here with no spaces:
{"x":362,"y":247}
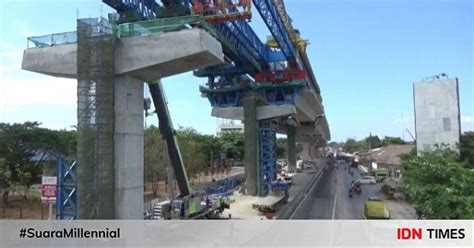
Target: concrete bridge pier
{"x":251,"y":150}
{"x":134,"y":60}
{"x":128,"y":147}
{"x":291,"y":148}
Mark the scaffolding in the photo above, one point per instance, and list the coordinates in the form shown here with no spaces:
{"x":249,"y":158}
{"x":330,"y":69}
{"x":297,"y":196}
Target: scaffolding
{"x":95,"y":112}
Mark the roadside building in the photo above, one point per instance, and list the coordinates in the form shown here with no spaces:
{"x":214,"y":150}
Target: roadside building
{"x":229,"y":128}
{"x":388,"y":157}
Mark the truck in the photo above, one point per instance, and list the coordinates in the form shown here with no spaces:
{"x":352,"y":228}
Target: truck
{"x":380,"y":174}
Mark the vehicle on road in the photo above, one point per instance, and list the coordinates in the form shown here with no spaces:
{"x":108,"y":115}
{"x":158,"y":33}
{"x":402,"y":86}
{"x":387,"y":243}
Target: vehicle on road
{"x":358,"y":188}
{"x":281,"y":163}
{"x":147,"y":215}
{"x":366,"y":180}
{"x":380,"y":174}
{"x":350,"y":193}
{"x":375,"y":208}
{"x":307,"y":164}
{"x":299,"y":165}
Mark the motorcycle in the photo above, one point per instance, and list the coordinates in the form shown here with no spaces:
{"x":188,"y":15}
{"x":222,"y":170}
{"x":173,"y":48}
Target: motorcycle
{"x":358,"y":189}
{"x":350,"y":193}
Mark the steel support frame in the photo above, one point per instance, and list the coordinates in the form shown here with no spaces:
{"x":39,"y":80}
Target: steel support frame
{"x":226,"y":69}
{"x":270,"y":16}
{"x":257,"y":46}
{"x":66,"y":202}
{"x":279,"y":96}
{"x":245,"y":55}
{"x":167,"y":3}
{"x":268,"y":170}
{"x":225,"y":99}
{"x":144,"y":8}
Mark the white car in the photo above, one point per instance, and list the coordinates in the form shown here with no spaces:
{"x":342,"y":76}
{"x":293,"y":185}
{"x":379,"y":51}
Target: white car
{"x":366,"y":180}
{"x":299,"y":165}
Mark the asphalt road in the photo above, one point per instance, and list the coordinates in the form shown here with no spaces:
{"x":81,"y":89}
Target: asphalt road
{"x":329,"y":198}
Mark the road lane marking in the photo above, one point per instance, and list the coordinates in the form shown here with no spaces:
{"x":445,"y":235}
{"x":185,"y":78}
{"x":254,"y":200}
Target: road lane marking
{"x":335,"y":197}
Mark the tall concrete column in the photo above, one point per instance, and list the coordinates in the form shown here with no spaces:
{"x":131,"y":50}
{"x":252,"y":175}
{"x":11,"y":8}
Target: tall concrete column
{"x":129,"y":148}
{"x":291,"y":148}
{"x":251,"y":149}
{"x":305,"y":154}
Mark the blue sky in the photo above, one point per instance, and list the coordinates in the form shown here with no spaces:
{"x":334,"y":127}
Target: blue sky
{"x":366,"y":55}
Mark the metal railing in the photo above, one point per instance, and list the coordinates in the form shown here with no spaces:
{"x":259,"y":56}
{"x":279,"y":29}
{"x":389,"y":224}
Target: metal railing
{"x":144,"y":28}
{"x":53,"y":39}
{"x":99,"y":26}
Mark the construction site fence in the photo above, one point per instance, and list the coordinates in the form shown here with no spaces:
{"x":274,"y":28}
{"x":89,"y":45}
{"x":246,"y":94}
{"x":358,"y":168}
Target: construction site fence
{"x":52,"y":39}
{"x":144,"y":28}
{"x":99,"y":26}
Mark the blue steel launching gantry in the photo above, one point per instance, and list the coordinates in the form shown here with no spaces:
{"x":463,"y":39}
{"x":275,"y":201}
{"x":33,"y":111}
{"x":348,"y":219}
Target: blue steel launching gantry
{"x":275,"y":77}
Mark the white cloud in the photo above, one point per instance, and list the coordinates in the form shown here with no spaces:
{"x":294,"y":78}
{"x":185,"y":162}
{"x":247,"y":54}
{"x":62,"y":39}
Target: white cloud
{"x":467,"y":120}
{"x":14,"y":53}
{"x":10,"y":58}
{"x":22,"y":92}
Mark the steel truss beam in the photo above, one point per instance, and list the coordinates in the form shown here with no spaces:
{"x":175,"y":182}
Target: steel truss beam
{"x":270,"y":16}
{"x":66,"y":202}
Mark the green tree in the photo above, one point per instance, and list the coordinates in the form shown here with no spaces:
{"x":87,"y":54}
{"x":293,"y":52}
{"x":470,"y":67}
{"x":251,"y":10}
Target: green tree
{"x":155,"y":158}
{"x":281,"y":147}
{"x":439,"y":184}
{"x":351,"y":145}
{"x":372,"y":142}
{"x":67,"y":142}
{"x":388,"y":141}
{"x":187,"y":141}
{"x":233,"y":144}
{"x":466,"y":148}
{"x":18,"y":144}
{"x":196,"y":150}
{"x":335,"y":144}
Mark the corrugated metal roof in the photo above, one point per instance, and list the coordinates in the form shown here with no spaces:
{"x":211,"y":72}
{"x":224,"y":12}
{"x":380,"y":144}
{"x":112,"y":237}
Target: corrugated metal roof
{"x":389,"y":155}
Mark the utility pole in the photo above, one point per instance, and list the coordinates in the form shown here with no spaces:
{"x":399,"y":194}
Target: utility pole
{"x":370,"y":155}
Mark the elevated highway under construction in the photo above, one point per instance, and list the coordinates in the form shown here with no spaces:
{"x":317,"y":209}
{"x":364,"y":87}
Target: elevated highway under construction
{"x":270,"y":86}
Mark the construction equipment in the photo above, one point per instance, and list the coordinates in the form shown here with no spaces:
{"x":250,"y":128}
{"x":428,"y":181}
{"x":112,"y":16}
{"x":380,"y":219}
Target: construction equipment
{"x":277,"y":71}
{"x":166,"y":129}
{"x":218,"y":11}
{"x":188,"y":205}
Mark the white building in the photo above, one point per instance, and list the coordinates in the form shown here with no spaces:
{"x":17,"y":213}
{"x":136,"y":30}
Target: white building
{"x":437,"y":119}
{"x":229,"y":127}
